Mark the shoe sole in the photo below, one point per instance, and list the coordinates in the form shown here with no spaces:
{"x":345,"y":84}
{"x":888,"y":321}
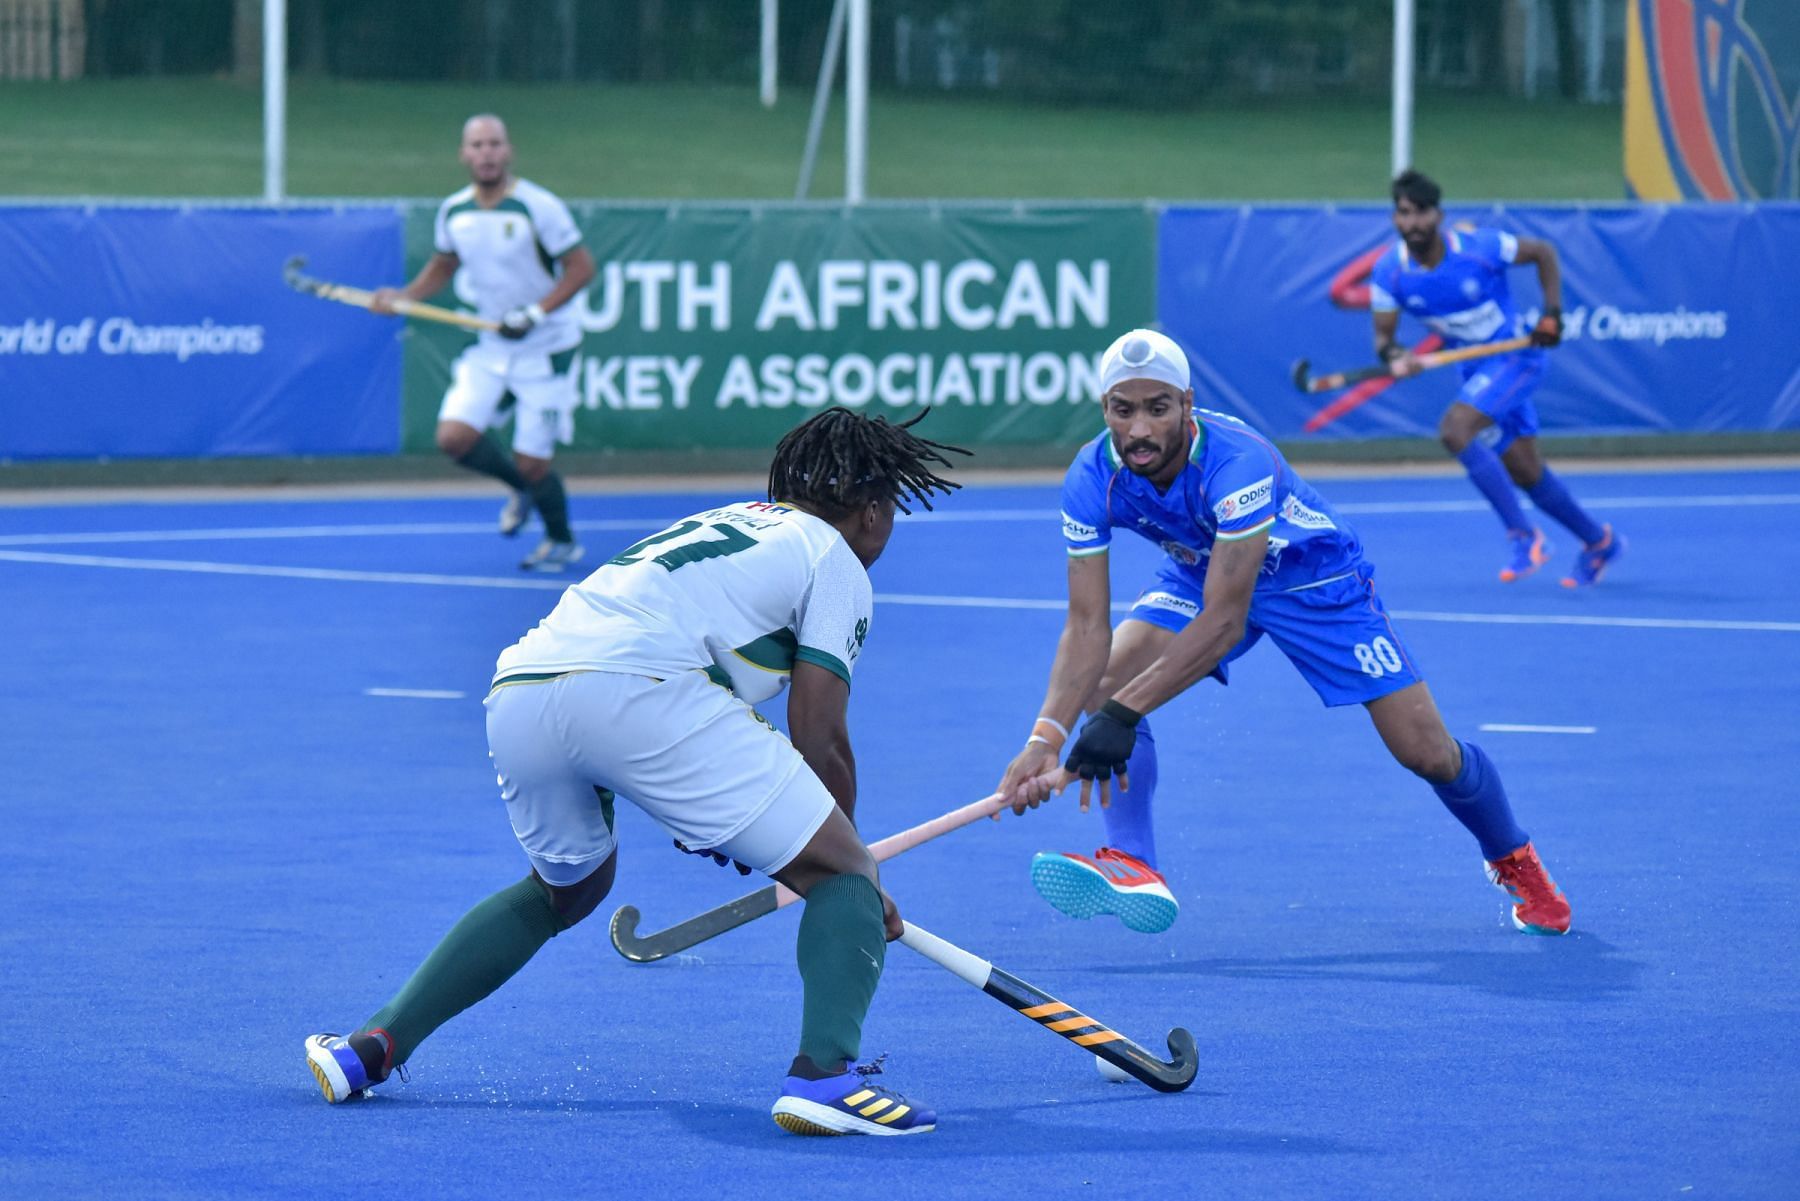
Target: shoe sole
{"x":1570,"y":581}
{"x":1524,"y":927}
{"x":331,"y":1078}
{"x":1540,"y":555}
{"x":1081,"y":893}
{"x":797,"y":1115}
{"x":553,"y":568}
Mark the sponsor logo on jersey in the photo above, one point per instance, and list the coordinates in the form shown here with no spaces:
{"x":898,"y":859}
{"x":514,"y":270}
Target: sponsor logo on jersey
{"x":1295,"y":513}
{"x":1246,"y":500}
{"x":1471,"y":325}
{"x":1187,"y":556}
{"x":854,"y":643}
{"x":1075,"y":531}
{"x":1169,"y":601}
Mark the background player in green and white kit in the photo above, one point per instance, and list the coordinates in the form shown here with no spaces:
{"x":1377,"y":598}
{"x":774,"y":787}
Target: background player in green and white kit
{"x":522,"y":257}
{"x":623,"y":689}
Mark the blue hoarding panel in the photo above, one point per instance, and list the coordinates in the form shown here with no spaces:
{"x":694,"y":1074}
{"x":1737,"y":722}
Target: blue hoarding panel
{"x":169,"y":332}
{"x":1677,"y":318}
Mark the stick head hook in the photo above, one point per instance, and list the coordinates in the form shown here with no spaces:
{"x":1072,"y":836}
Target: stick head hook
{"x":1302,"y":368}
{"x":290,"y":274}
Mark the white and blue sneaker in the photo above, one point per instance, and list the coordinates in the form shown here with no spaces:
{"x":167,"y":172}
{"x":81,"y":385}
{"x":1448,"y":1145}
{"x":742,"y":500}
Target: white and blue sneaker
{"x":1111,"y":882}
{"x":848,"y":1104}
{"x":552,"y":556}
{"x":338,"y":1069}
{"x":515,"y":514}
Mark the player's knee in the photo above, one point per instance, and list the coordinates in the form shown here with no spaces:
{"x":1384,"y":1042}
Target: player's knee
{"x":1431,"y":759}
{"x":573,"y":902}
{"x":532,"y":470}
{"x":456,"y":439}
{"x":1454,"y":435}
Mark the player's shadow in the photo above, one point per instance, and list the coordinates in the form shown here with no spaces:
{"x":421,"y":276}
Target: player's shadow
{"x":1578,"y":967}
{"x":1138,"y":1122}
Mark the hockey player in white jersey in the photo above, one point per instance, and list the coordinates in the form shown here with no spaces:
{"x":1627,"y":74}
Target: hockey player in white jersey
{"x":639,"y":683}
{"x":521,"y":256}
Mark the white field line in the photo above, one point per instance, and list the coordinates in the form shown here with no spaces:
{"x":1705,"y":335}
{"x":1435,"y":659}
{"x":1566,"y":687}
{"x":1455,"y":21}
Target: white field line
{"x":1500,"y":727}
{"x":423,"y":694}
{"x":1014,"y":604}
{"x":653,"y":521}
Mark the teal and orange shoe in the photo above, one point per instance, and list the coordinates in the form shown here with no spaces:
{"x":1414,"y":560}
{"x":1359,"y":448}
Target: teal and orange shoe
{"x":1111,"y":882}
{"x":1593,"y":560}
{"x":1539,"y":906}
{"x":1529,"y":552}
{"x":848,"y":1104}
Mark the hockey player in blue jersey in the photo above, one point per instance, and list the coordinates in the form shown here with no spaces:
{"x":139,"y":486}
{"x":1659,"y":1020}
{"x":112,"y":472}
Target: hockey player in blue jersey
{"x":1251,"y":551}
{"x":1455,"y":282}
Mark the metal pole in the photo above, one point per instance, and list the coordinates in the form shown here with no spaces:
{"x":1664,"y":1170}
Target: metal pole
{"x":856,"y":105}
{"x":1403,"y":85}
{"x":770,"y":23}
{"x":274,"y":100}
{"x":1532,"y":53}
{"x":1596,"y":49}
{"x":815,"y":125}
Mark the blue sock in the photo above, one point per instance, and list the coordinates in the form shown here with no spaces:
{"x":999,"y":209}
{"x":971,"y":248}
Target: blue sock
{"x":1549,"y":495}
{"x":1489,"y":476}
{"x":1477,"y":799}
{"x":1128,"y":825}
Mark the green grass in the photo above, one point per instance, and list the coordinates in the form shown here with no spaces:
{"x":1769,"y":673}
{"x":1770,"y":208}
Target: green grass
{"x":203,"y":137}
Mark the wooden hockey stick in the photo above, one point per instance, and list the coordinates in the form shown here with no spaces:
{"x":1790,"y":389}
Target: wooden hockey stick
{"x":1165,"y":1076}
{"x":362,"y":299}
{"x":764,"y":901}
{"x":1306,"y":382}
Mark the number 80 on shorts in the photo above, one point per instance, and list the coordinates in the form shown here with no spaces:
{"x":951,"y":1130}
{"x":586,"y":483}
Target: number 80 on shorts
{"x":1378,"y":658}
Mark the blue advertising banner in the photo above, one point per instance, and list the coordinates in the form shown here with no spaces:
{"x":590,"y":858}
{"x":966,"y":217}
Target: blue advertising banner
{"x":169,"y":332}
{"x":1676,"y":319}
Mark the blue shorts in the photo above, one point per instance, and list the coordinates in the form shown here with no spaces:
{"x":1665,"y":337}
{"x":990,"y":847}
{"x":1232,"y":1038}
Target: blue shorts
{"x":1337,"y":634}
{"x":1502,"y":389}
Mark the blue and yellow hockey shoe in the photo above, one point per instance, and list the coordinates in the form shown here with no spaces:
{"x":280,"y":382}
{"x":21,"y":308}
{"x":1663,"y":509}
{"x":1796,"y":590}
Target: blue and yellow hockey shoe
{"x":848,"y":1104}
{"x":1109,"y":882}
{"x":337,"y":1067}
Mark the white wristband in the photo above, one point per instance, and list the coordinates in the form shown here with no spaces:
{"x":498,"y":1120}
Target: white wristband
{"x":1039,"y":738}
{"x":1056,"y":725}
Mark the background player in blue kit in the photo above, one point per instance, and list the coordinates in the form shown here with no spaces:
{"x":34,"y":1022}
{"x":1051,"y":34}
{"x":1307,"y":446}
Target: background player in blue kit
{"x":1252,"y":550}
{"x":1455,"y":282}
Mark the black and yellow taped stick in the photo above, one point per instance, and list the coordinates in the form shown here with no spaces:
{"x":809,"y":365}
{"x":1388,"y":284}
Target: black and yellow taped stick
{"x":1170,"y":1076}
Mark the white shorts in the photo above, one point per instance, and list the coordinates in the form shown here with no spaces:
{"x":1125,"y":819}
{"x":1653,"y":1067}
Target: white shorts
{"x":482,"y":376}
{"x":684,"y":750}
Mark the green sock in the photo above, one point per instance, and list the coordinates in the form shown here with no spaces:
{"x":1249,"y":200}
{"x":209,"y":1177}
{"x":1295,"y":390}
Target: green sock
{"x":553,"y":506}
{"x":488,"y":458}
{"x":492,"y":941}
{"x":841,"y":949}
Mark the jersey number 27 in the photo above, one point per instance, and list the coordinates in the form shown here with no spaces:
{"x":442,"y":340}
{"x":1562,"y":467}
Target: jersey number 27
{"x":689,"y":545}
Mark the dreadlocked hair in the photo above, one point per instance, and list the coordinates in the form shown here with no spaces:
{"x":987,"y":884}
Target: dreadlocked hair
{"x":838,"y":461}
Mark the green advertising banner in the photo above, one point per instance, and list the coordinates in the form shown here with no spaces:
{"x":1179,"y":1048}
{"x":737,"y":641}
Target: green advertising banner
{"x":715,"y":327}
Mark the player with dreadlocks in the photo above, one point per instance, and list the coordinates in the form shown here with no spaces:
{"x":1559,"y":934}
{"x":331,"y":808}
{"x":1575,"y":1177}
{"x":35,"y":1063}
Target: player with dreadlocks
{"x":668,"y":645}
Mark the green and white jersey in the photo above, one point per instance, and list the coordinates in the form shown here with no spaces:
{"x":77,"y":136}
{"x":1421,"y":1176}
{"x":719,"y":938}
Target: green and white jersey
{"x":740,"y":592}
{"x":509,"y":258}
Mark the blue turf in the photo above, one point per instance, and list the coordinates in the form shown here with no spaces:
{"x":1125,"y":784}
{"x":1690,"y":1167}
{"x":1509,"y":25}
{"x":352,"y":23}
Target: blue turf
{"x":217,"y":845}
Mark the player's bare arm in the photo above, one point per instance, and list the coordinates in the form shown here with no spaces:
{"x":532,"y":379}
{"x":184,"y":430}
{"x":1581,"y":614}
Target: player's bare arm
{"x":818,"y":724}
{"x":1401,"y":361}
{"x":1190,"y":655}
{"x":1081,"y":655}
{"x":432,"y":278}
{"x":1542,"y":255}
{"x":577,"y":273}
{"x":1230,"y":583}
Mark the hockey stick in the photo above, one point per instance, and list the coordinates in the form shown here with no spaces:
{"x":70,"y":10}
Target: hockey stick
{"x":764,"y":901}
{"x":1164,"y":1076}
{"x":1307,"y":382}
{"x":345,"y":294}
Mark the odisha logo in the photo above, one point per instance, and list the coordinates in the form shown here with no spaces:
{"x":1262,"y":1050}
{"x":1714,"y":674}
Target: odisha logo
{"x":1730,"y":127}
